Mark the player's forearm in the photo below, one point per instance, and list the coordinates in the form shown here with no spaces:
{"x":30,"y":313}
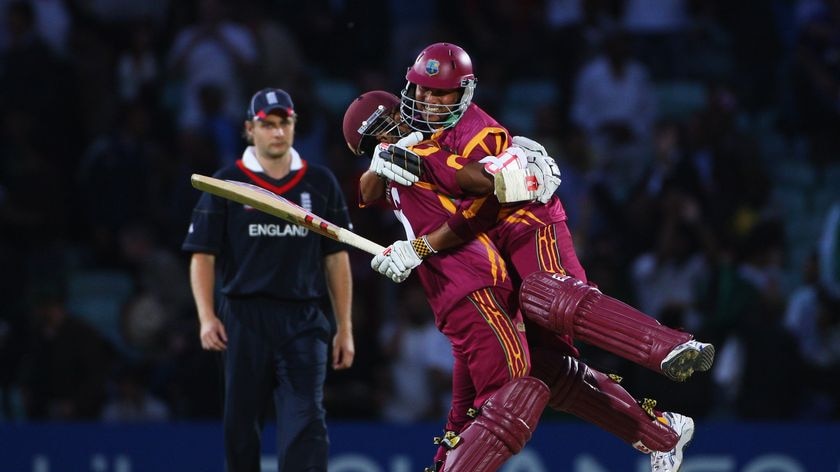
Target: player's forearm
{"x":459,"y":229}
{"x":474,"y":217}
{"x":474,"y":180}
{"x":340,"y":286}
{"x":371,"y":187}
{"x":202,"y":280}
{"x":443,"y":238}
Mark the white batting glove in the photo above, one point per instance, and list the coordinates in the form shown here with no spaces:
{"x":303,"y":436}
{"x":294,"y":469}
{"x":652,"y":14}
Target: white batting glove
{"x":547,"y":174}
{"x":529,"y":145}
{"x":385,"y":266}
{"x":384,"y":164}
{"x":410,"y":140}
{"x":537,"y":179}
{"x":510,"y":158}
{"x":390,"y":170}
{"x":397,"y":261}
{"x":511,"y":180}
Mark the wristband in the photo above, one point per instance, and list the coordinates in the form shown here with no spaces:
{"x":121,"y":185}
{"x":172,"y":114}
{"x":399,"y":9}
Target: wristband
{"x":422,"y":247}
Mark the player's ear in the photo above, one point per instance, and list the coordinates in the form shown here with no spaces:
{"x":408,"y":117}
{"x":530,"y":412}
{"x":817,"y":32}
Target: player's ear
{"x":248,"y":132}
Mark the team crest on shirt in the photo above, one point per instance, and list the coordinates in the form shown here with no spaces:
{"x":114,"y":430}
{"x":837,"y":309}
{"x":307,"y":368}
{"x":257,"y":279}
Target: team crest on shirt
{"x":432,"y":67}
{"x":306,"y":201}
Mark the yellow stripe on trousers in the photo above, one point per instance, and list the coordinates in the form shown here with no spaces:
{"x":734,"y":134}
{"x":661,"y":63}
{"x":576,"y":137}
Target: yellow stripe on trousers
{"x":548,"y":254}
{"x":485,"y":302}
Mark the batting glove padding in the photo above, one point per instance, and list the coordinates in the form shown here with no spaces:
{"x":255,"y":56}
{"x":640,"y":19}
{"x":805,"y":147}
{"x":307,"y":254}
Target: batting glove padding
{"x":529,"y":145}
{"x":510,"y":158}
{"x":383,"y":165}
{"x":534,"y":177}
{"x":547,"y":174}
{"x":403,"y":158}
{"x":410,"y":140}
{"x":541,"y":166}
{"x":396,"y":261}
{"x":396,"y":160}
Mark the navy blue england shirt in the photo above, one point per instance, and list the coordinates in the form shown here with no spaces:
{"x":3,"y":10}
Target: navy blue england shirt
{"x":261,"y":255}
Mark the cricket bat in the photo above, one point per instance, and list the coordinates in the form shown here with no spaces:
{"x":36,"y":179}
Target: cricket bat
{"x":273,"y":204}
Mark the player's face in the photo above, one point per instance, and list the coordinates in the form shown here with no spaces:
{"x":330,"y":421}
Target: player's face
{"x":435,"y":100}
{"x":273,"y":135}
{"x":392,"y":128}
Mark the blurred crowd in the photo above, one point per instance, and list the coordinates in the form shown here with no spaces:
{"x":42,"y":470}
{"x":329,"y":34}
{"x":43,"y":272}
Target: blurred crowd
{"x":699,"y":142}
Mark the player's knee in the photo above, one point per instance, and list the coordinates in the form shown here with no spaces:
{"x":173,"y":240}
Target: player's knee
{"x":565,"y":376}
{"x":515,"y":410}
{"x":503,"y":426}
{"x":552,"y":300}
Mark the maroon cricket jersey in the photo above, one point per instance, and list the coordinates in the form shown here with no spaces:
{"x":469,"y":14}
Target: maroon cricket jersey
{"x":451,"y":275}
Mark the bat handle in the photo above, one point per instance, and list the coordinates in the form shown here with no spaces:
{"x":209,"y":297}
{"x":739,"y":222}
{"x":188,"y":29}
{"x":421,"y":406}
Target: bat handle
{"x":359,"y":242}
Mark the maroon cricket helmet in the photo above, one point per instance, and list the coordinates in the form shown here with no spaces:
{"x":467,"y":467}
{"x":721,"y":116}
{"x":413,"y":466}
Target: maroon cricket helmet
{"x":370,"y":119}
{"x":443,"y":66}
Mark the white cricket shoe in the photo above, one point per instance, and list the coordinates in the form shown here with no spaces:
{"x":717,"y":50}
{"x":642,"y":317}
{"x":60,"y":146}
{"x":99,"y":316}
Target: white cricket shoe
{"x":687,"y":358}
{"x":670,"y":461}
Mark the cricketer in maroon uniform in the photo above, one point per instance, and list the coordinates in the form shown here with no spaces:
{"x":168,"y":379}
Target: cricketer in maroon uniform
{"x":535,"y":238}
{"x":600,"y":397}
{"x":470,"y":292}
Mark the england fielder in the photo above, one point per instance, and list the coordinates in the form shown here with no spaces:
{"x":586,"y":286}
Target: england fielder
{"x":273,"y":276}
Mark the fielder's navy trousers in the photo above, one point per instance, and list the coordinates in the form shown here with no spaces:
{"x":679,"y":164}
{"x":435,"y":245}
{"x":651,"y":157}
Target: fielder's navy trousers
{"x":275,"y":349}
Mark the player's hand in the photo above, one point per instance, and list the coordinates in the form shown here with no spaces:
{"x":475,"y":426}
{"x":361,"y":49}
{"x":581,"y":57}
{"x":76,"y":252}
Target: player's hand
{"x":547,"y":174}
{"x":383,"y":164}
{"x":399,"y":155}
{"x":529,"y":145}
{"x":213,"y":335}
{"x":396,"y":261}
{"x":415,"y":137}
{"x":344,"y":350}
{"x":539,"y":167}
{"x":510,"y":159}
{"x":383,"y":264}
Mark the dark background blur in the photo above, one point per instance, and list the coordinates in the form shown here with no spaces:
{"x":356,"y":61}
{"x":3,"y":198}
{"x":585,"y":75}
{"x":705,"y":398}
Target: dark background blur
{"x":698,"y":142}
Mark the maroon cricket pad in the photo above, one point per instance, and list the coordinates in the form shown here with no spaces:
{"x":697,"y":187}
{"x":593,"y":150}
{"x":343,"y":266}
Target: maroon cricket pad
{"x":596,"y":398}
{"x":566,"y":305}
{"x":505,"y":423}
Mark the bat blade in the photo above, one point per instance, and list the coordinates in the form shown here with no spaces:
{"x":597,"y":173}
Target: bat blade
{"x":273,"y":204}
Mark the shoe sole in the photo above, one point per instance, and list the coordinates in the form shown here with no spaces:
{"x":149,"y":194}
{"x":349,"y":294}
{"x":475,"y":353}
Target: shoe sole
{"x":684,"y":364}
{"x":705,"y":359}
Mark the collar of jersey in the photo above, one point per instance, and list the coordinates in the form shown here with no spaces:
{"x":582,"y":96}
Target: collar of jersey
{"x":250,"y":166}
{"x":249,"y":158}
